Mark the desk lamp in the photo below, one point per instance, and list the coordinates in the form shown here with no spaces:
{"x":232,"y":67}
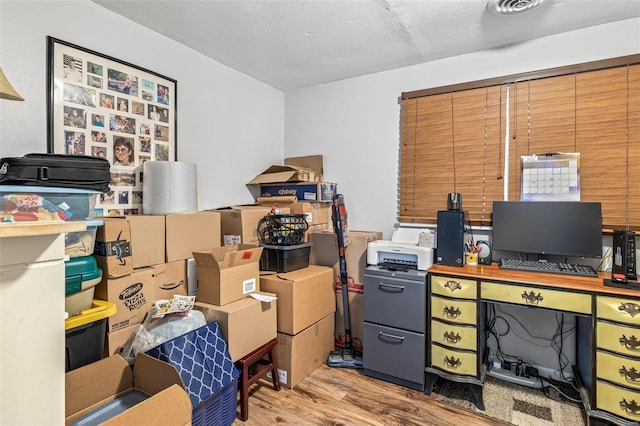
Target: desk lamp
{"x":6,"y":89}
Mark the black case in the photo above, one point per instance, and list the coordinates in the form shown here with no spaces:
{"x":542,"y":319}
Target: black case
{"x":58,"y":170}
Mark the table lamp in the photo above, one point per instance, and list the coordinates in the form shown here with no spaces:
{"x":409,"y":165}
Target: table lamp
{"x":6,"y":89}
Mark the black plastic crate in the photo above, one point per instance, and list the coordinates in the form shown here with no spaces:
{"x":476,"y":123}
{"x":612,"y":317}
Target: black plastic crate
{"x":285,"y":258}
{"x":85,"y":344}
{"x":282,"y":229}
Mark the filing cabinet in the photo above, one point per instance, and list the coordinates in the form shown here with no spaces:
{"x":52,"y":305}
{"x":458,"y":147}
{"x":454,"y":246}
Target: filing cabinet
{"x":394,"y":326}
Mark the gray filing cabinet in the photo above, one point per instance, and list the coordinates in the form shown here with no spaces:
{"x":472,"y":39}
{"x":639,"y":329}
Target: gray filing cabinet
{"x":394,"y":326}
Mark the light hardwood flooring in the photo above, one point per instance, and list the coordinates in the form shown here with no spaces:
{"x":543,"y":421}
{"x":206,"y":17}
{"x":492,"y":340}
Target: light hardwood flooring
{"x":336,"y":396}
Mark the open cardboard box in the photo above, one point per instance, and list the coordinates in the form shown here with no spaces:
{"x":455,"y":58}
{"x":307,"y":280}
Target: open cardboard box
{"x":101,"y":382}
{"x":295,"y":169}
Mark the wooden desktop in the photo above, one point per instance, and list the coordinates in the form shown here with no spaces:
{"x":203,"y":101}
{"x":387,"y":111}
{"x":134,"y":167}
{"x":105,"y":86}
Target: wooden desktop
{"x":608,"y":331}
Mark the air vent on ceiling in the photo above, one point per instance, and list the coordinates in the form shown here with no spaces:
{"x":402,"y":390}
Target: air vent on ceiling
{"x":512,"y":7}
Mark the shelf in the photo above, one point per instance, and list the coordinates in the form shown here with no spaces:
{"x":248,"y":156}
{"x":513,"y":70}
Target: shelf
{"x":43,"y":228}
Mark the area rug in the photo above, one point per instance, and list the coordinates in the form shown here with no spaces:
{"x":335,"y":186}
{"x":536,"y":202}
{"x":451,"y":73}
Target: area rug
{"x":515,"y":404}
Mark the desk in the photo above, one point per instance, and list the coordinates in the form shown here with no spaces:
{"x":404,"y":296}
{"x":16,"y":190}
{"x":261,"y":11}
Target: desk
{"x":608,"y":351}
{"x":32,"y":335}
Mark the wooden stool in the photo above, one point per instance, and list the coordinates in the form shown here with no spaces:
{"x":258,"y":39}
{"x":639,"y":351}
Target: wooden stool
{"x":245,"y":363}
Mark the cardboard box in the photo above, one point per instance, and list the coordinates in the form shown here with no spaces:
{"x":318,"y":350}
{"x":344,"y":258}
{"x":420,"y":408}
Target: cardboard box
{"x":246,"y":324}
{"x":113,"y":247}
{"x":305,"y":296}
{"x":170,"y":279}
{"x":116,"y":339}
{"x":297,"y":356}
{"x":189,"y":232}
{"x":325,"y":252}
{"x":98,"y":383}
{"x":295,"y":169}
{"x":132,"y":294}
{"x":147,"y":239}
{"x":316,"y":213}
{"x":240,"y":223}
{"x":319,"y":191}
{"x":228,"y":273}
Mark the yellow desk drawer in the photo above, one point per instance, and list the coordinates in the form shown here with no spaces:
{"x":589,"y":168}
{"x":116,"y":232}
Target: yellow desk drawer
{"x":620,"y":338}
{"x":622,"y":370}
{"x":454,"y":287}
{"x":538,"y":297}
{"x":619,"y":401}
{"x":458,"y":311}
{"x":455,"y":362}
{"x":454,"y":336}
{"x":618,"y":309}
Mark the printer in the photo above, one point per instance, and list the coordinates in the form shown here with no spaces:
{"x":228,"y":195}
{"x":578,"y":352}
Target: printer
{"x":401,"y":253}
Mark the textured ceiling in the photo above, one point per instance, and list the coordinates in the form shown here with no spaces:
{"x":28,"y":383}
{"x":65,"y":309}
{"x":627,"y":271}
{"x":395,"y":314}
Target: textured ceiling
{"x":291,"y":44}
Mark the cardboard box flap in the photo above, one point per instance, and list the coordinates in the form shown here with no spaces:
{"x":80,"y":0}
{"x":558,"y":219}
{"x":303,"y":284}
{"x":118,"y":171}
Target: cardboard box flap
{"x":242,"y":256}
{"x":278,"y":173}
{"x":171,"y":406}
{"x":313,"y":162}
{"x":95,"y":382}
{"x":151,"y":375}
{"x":227,"y":256}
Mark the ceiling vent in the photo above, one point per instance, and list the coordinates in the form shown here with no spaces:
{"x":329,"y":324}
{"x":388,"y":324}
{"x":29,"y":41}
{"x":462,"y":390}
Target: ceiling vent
{"x":512,"y":7}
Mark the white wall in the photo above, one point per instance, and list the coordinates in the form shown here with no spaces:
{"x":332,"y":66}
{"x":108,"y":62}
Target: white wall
{"x":355,"y":123}
{"x":229,"y":124}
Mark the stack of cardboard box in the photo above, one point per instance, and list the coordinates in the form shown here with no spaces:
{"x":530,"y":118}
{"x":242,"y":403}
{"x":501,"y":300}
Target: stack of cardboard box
{"x":228,"y":285}
{"x":143,"y":259}
{"x":306,"y":310}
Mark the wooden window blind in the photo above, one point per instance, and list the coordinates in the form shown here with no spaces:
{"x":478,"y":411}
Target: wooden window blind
{"x":453,"y":139}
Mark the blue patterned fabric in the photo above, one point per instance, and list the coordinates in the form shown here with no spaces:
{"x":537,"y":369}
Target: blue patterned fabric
{"x":202,"y":359}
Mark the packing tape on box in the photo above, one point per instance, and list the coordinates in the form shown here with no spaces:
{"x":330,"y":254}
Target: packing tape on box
{"x":169,"y":187}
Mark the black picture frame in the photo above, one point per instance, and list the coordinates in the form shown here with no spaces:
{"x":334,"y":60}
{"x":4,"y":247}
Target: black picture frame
{"x":102,"y":106}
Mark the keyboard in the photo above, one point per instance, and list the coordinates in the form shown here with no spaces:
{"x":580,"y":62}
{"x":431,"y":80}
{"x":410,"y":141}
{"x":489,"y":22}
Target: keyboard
{"x":549,"y":267}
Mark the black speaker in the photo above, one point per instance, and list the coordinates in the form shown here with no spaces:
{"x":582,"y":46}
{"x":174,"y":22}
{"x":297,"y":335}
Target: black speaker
{"x":450,"y":238}
{"x":624,"y":256}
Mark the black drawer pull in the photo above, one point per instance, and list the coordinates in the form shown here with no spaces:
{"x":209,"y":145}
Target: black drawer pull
{"x":452,"y":337}
{"x":390,"y":336}
{"x":452,"y":312}
{"x":632,"y":375}
{"x":632,"y":309}
{"x":393,"y":287}
{"x":452,"y":362}
{"x":532,"y":298}
{"x":631,"y":407}
{"x":452,"y":285}
{"x":630,"y":343}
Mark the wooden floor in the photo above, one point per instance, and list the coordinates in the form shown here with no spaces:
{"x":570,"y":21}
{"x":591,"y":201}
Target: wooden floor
{"x":336,"y":396}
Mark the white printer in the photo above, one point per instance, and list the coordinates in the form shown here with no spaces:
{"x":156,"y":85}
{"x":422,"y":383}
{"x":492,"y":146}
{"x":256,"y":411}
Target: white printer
{"x":401,"y":251}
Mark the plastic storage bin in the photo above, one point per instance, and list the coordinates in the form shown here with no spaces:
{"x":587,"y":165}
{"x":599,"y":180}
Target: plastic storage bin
{"x":85,"y":334}
{"x":81,"y":276}
{"x":26,"y":203}
{"x":285,"y":258}
{"x":82,"y":243}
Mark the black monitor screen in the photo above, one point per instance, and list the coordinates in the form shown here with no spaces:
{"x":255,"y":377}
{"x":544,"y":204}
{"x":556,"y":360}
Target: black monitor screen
{"x":565,"y":228}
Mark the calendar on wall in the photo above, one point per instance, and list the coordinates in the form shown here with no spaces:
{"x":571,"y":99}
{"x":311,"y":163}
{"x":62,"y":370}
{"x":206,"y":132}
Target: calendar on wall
{"x":550,"y":177}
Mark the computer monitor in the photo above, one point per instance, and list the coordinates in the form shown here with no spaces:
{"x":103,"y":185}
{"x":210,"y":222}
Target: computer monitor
{"x":564,"y":228}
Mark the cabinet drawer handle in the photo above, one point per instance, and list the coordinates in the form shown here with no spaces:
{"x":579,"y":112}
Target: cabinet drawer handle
{"x":630,"y":343}
{"x":631,"y":407}
{"x":632,"y":309}
{"x":632,"y":375}
{"x":532,"y":298}
{"x":391,"y":286}
{"x":452,"y":362}
{"x":452,"y":285}
{"x":451,"y":312}
{"x":390,"y":336}
{"x":451,"y":337}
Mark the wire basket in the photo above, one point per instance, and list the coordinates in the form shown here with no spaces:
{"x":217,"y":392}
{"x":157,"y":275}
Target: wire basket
{"x":282,"y":229}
